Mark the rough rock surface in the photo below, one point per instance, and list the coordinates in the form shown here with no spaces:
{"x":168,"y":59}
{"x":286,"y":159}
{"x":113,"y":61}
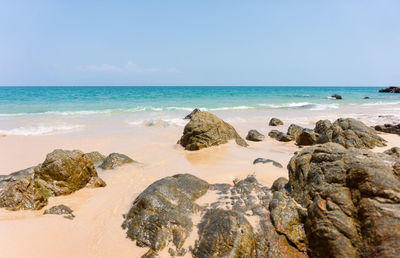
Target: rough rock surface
{"x":352,"y":197}
{"x":275,"y":122}
{"x":61,"y":210}
{"x":116,"y":160}
{"x":388,"y":128}
{"x":96,"y":157}
{"x":349,"y":133}
{"x":62,"y":172}
{"x":306,"y":137}
{"x":282,"y":137}
{"x":255,"y":136}
{"x":205,"y":130}
{"x":161,"y":213}
{"x":392,"y":89}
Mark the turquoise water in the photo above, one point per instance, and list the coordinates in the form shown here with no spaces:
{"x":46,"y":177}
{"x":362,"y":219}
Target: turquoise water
{"x":88,"y":100}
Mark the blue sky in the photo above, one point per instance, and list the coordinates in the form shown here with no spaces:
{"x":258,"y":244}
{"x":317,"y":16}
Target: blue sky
{"x":208,"y":42}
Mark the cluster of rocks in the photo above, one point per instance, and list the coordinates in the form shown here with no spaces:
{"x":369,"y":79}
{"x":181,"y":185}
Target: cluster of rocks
{"x":345,"y":131}
{"x":388,"y":128}
{"x":205,"y":130}
{"x":337,"y":202}
{"x":391,"y":89}
{"x":62,"y":172}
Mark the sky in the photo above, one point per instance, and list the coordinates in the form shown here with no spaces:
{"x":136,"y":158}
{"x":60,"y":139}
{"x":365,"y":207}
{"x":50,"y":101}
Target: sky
{"x":207,"y":42}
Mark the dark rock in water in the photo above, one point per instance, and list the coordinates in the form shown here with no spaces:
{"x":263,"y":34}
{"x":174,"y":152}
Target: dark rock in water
{"x":261,"y":160}
{"x":349,"y":133}
{"x":59,"y":210}
{"x":161,"y":213}
{"x":388,"y":128}
{"x":391,"y":90}
{"x":63,"y":172}
{"x":116,"y":160}
{"x":96,"y":157}
{"x":352,"y":200}
{"x":275,"y":122}
{"x":336,"y":96}
{"x":306,"y":137}
{"x":225,"y":233}
{"x":255,"y":136}
{"x":366,"y":98}
{"x":205,"y":130}
{"x":395,"y":151}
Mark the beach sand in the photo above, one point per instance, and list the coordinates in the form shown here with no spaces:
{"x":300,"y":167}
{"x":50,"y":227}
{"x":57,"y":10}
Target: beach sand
{"x":96,"y":230}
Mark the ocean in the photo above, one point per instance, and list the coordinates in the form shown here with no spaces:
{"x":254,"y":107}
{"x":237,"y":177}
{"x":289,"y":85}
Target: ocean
{"x":42,"y":110}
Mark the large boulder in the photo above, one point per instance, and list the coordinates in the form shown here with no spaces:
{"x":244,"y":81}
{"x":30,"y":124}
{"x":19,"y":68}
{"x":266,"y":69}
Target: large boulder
{"x":391,"y":89}
{"x":205,"y":130}
{"x":96,"y":157}
{"x":388,"y":128}
{"x":306,"y":137}
{"x":63,"y":172}
{"x":352,"y":200}
{"x":255,"y":136}
{"x":348,"y":132}
{"x":115,"y":160}
{"x":161,"y":214}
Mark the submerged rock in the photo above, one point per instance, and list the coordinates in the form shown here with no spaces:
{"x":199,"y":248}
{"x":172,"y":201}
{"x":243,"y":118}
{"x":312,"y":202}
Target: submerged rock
{"x":275,"y":122}
{"x":116,"y":160}
{"x":336,"y":96}
{"x":61,"y":210}
{"x":62,"y":172}
{"x":205,"y":130}
{"x":255,"y":136}
{"x":96,"y":157}
{"x":388,"y":128}
{"x":262,"y":160}
{"x":391,"y":89}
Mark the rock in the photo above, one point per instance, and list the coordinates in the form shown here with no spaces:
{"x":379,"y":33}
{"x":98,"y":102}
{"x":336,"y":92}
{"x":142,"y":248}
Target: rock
{"x":352,"y":200}
{"x":61,"y":210}
{"x":306,"y":137}
{"x":205,"y":130}
{"x":395,"y":151}
{"x":63,"y":172}
{"x":336,"y":96}
{"x":282,"y":137}
{"x":294,"y":130}
{"x":262,"y":160}
{"x":390,"y":90}
{"x":366,"y":98}
{"x":225,"y":234}
{"x":22,"y":194}
{"x":162,"y":213}
{"x":388,"y":128}
{"x":96,"y":182}
{"x":349,"y":133}
{"x":96,"y":157}
{"x":255,"y":136}
{"x":116,"y":160}
{"x":275,"y":122}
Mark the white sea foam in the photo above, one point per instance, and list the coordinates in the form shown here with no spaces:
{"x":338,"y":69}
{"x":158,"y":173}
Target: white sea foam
{"x":159,"y":122}
{"x":381,"y":103}
{"x":231,"y":108}
{"x":302,"y":105}
{"x":39,"y":130}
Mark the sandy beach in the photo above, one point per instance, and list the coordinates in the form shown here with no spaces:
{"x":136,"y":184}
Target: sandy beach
{"x":96,"y":230}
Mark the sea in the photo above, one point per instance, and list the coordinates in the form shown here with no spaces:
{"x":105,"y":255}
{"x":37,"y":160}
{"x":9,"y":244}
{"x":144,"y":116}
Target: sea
{"x":32,"y":110}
